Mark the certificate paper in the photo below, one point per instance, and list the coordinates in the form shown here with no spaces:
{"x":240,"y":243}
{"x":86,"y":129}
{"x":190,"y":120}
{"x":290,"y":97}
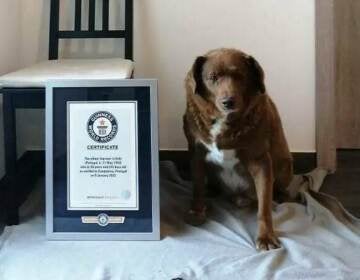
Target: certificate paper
{"x":102,"y":155}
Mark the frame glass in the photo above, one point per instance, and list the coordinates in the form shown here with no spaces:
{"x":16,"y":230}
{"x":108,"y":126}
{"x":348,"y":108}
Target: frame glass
{"x":102,"y":174}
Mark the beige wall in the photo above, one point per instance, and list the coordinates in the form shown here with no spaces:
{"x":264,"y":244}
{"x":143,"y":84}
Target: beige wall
{"x":9,"y":50}
{"x":169,"y":34}
{"x":279,"y":33}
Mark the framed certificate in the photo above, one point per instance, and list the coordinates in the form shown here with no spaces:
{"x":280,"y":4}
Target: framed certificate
{"x":102,"y":177}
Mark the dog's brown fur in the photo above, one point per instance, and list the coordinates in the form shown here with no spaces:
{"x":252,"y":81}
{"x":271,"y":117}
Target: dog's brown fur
{"x":252,"y":129}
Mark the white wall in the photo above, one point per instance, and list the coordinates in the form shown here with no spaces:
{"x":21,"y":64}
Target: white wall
{"x":169,"y":34}
{"x":279,"y":33}
{"x":9,"y":50}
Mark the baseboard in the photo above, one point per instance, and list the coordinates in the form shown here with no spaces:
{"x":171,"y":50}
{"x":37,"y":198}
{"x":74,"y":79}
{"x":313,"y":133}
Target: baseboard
{"x":303,"y":162}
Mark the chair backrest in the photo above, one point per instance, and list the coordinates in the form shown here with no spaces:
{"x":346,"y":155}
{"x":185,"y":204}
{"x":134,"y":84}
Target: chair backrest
{"x":78,"y":33}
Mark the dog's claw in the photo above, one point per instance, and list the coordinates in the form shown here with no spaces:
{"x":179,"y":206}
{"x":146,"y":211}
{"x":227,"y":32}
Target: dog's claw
{"x":268,"y":242}
{"x":195,"y":218}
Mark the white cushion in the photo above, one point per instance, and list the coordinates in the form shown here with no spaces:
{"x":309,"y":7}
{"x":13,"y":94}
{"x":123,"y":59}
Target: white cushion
{"x":38,"y":74}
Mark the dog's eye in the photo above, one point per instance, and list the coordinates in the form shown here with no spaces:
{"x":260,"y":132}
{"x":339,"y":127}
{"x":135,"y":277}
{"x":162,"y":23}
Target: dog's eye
{"x":213,"y":77}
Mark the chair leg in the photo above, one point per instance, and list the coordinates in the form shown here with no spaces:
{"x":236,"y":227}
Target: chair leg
{"x":12,"y":207}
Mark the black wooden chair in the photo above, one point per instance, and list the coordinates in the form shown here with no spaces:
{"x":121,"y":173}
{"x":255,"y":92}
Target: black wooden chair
{"x":25,"y":89}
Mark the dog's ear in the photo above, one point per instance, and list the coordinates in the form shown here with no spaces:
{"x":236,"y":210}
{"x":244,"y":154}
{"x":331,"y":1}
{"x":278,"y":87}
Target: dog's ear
{"x":195,"y":75}
{"x":257,"y":76}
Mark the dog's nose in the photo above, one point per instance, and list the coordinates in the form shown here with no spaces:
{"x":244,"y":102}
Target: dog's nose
{"x":228,"y":103}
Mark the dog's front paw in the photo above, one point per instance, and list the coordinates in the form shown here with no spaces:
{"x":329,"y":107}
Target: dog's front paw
{"x":196,"y":218}
{"x":267,"y":242}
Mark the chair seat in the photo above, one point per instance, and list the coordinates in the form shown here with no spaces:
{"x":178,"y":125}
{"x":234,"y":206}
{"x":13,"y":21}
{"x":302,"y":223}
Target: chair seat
{"x":38,"y":74}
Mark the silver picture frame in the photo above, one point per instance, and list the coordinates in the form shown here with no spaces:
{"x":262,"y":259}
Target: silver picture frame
{"x":101,"y":235}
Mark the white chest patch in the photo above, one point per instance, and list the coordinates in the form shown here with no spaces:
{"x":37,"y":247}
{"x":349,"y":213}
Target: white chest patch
{"x":226,"y":159}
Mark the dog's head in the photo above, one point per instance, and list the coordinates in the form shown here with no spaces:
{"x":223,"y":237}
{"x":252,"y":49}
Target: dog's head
{"x":228,"y":78}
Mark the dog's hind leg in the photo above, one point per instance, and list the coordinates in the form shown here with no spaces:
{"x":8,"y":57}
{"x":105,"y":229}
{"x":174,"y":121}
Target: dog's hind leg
{"x":283,"y":174}
{"x":197,"y":214}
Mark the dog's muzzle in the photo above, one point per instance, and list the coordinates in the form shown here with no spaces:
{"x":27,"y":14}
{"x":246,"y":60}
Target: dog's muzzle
{"x":228,"y":104}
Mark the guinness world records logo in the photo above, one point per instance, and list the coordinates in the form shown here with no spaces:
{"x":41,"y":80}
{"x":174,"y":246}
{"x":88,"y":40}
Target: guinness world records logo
{"x":102,"y":126}
{"x":102,"y":219}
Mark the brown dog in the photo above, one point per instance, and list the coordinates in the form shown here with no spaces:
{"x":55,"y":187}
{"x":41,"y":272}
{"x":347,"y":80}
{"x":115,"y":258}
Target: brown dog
{"x":235,"y":133}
